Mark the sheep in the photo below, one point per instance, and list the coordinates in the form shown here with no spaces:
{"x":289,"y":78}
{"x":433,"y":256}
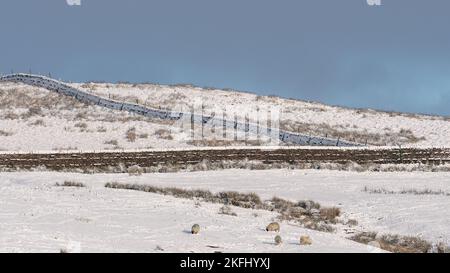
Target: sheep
{"x":195,"y":229}
{"x":273,"y":227}
{"x":305,"y":240}
{"x":278,"y":240}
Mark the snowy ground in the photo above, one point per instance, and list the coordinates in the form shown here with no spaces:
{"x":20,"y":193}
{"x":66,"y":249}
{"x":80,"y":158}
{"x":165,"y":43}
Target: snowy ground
{"x":36,"y":216}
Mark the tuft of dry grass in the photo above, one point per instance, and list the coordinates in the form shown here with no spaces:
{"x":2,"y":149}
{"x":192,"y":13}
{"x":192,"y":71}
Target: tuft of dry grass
{"x":135,"y":170}
{"x":405,"y":191}
{"x":5,"y":133}
{"x":163,"y":134}
{"x":113,"y":142}
{"x":330,"y":213}
{"x":226,"y":210}
{"x":81,"y":125}
{"x":131,"y":135}
{"x":38,"y":122}
{"x":71,"y":184}
{"x":395,"y":243}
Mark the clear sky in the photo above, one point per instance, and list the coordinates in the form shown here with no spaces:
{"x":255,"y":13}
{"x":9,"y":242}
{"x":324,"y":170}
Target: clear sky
{"x":344,"y":52}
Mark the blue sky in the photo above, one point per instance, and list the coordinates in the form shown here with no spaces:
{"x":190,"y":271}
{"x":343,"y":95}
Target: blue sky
{"x":392,"y":57}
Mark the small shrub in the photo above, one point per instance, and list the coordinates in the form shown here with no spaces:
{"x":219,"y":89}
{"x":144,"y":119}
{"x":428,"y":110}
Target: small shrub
{"x":38,"y":122}
{"x":5,"y":133}
{"x":227,"y":211}
{"x":135,"y":170}
{"x":131,"y":134}
{"x":81,"y":125}
{"x":330,"y":214}
{"x":71,"y":184}
{"x":305,"y":240}
{"x":395,"y":243}
{"x":164,"y":134}
{"x":101,"y":129}
{"x":112,"y":142}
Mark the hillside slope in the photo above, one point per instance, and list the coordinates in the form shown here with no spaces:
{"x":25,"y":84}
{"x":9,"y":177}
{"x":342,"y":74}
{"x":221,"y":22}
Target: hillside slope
{"x":34,"y":119}
{"x":358,"y":125}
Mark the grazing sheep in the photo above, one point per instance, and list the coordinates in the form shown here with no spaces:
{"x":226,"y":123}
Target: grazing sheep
{"x":195,"y":229}
{"x":305,"y":240}
{"x":273,"y":227}
{"x":278,"y":240}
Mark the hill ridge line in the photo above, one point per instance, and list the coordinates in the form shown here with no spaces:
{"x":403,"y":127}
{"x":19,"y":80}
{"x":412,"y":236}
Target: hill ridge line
{"x":83,"y":96}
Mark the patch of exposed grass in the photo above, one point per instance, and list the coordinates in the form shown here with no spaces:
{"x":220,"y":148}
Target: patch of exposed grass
{"x":395,"y":243}
{"x":131,"y":135}
{"x":71,"y":184}
{"x":406,"y":191}
{"x":5,"y":133}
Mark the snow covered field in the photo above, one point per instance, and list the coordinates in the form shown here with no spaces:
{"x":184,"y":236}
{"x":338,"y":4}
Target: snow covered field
{"x":35,"y":215}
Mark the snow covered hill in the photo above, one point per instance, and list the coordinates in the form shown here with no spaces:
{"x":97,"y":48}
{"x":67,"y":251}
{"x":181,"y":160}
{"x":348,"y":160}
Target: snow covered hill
{"x":34,"y":119}
{"x":359,"y":125}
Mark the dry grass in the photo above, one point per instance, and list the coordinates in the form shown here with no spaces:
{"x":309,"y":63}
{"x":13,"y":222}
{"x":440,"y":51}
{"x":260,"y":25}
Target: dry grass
{"x":113,"y":142}
{"x":5,"y":133}
{"x":163,"y":134}
{"x":226,"y":210}
{"x":38,"y":122}
{"x":330,"y":214}
{"x":406,"y":191}
{"x":143,"y":136}
{"x":249,"y":200}
{"x":131,"y":135}
{"x":135,"y":170}
{"x":224,"y":143}
{"x":395,"y":243}
{"x":101,"y":129}
{"x":348,"y":132}
{"x":81,"y":125}
{"x":71,"y":184}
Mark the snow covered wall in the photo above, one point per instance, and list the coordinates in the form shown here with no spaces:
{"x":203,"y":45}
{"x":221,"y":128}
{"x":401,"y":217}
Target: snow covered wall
{"x":62,"y":88}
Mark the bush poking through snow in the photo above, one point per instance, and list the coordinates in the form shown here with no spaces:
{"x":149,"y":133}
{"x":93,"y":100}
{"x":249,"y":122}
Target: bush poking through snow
{"x":351,"y":222}
{"x":135,"y":170}
{"x":305,"y":240}
{"x":164,"y":134}
{"x":395,"y":243}
{"x":441,"y":248}
{"x":273,"y":227}
{"x":226,"y":210}
{"x":330,"y":214}
{"x":250,"y":200}
{"x":195,"y":229}
{"x":112,"y":142}
{"x":131,"y":134}
{"x":278,"y":240}
{"x":71,"y":184}
{"x":4,"y":133}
